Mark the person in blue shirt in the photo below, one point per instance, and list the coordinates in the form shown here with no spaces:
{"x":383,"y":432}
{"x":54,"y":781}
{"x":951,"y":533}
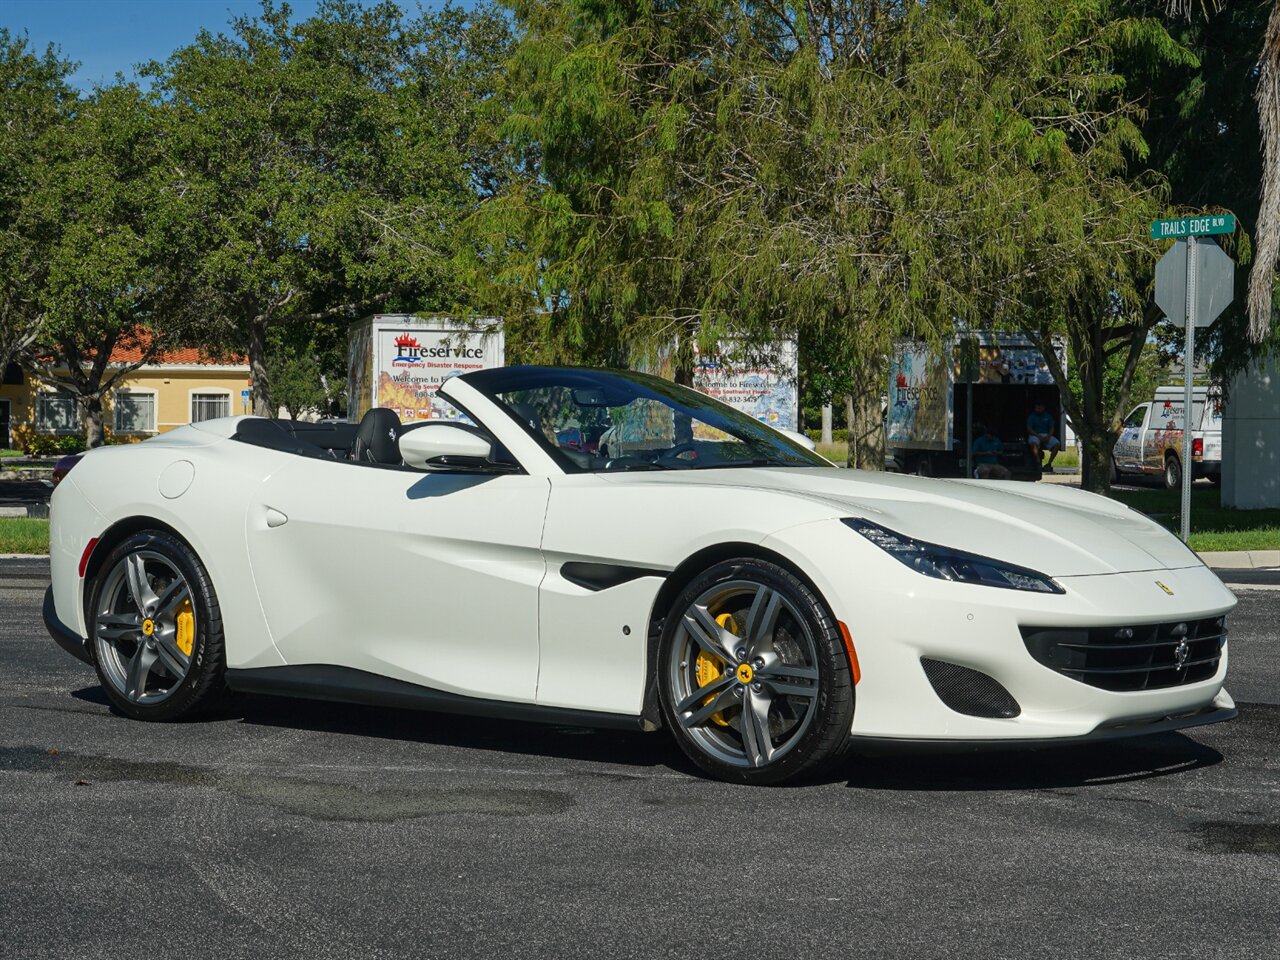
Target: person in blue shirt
{"x":986,"y":457}
{"x":1040,"y":435}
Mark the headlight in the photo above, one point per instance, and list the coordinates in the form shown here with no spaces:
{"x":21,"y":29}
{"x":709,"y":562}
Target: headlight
{"x":946,"y":564}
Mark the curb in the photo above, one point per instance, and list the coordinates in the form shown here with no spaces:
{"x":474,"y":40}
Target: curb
{"x":1242,"y":559}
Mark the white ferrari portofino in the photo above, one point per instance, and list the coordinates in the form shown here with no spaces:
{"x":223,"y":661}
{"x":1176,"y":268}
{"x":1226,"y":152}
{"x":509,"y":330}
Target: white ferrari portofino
{"x":608,"y":548}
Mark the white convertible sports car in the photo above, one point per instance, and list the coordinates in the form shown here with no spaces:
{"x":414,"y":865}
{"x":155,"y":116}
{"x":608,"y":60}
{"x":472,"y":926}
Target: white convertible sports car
{"x":701,"y":572}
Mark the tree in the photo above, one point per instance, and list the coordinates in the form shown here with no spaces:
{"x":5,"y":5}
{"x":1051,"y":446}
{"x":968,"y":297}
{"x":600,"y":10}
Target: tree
{"x":113,"y":277}
{"x":34,"y":97}
{"x":324,"y":164}
{"x":1262,"y":290}
{"x":841,"y":172}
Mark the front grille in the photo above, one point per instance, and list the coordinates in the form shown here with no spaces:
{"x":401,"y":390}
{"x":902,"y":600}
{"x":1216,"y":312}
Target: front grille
{"x":968,"y":691}
{"x":1149,"y":656}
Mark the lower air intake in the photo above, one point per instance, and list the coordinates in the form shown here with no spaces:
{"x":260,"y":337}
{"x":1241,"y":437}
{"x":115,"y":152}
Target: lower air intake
{"x":969,"y":691}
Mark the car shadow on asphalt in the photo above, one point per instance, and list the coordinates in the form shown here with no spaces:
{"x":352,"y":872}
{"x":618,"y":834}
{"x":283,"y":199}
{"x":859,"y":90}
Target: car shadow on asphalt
{"x":914,"y":769}
{"x":1049,"y":767}
{"x":613,"y":747}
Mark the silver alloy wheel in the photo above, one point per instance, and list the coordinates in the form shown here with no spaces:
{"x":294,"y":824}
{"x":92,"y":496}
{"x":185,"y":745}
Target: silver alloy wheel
{"x":765,"y":694}
{"x":136,"y":627}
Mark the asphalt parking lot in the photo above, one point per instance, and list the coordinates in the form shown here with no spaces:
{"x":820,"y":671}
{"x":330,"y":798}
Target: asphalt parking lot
{"x":290,"y":829}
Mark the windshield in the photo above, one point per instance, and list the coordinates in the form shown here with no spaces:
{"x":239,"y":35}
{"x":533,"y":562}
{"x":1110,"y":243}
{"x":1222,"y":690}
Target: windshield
{"x":593,"y":420}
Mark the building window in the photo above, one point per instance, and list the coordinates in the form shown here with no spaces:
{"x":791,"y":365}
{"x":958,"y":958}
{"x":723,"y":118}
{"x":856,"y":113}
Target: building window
{"x":209,"y":406}
{"x":135,"y":412}
{"x":57,"y":413}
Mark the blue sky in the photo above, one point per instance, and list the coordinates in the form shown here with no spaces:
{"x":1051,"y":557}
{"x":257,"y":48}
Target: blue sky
{"x":107,"y":36}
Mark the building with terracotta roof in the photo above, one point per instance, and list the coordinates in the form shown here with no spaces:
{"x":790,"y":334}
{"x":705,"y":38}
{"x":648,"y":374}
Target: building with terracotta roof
{"x":175,"y":388}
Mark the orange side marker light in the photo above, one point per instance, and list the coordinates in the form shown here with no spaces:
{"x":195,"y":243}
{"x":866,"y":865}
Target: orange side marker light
{"x":853,"y":654}
{"x":88,"y":552}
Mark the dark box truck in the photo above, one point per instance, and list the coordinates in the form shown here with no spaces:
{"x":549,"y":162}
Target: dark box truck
{"x":999,"y":376}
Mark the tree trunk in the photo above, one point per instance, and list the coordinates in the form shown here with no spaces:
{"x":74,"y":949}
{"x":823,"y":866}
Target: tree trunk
{"x":91,"y":409}
{"x":826,"y":423}
{"x":1095,"y":459}
{"x":865,"y":415}
{"x":258,"y":369}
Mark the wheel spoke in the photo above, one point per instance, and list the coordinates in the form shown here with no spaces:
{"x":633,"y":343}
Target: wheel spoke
{"x":172,"y":597}
{"x":723,"y":701}
{"x":709,"y":635}
{"x":139,"y":669}
{"x":762,"y":619}
{"x":116,"y":626}
{"x":755,"y":728}
{"x":169,"y":655}
{"x":780,"y":669}
{"x":715,"y":686}
{"x":140,"y":586}
{"x":792,"y":689}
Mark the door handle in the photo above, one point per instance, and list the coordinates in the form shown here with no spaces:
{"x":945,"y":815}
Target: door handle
{"x":275,"y":518}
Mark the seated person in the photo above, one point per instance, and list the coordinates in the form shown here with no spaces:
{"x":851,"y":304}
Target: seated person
{"x":1040,"y":436}
{"x":986,"y":457}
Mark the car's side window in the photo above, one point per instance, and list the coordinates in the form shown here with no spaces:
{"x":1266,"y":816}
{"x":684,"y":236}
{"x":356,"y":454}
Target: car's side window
{"x":1135,"y":419}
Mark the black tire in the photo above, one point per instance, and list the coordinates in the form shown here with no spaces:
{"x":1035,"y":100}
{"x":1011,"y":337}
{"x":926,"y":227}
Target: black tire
{"x":813,"y":728}
{"x":924,"y":467}
{"x":1172,"y":472}
{"x":1115,"y":471}
{"x":203,"y":687}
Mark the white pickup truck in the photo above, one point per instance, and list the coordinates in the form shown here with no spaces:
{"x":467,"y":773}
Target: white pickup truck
{"x":1150,"y":444}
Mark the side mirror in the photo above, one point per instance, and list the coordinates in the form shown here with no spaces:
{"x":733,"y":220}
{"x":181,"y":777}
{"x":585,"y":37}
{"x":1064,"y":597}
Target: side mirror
{"x":445,"y":446}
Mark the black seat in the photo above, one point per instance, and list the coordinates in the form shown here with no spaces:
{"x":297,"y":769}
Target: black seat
{"x":378,"y":438}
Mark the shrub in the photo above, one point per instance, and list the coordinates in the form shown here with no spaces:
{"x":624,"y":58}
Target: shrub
{"x":35,"y":444}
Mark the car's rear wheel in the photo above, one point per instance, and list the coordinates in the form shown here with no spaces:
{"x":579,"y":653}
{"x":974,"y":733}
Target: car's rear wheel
{"x":754,"y":679}
{"x":156,"y":629}
{"x":1172,"y":472}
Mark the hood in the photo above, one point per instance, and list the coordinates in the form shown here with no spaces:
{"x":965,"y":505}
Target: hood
{"x":1058,"y":531}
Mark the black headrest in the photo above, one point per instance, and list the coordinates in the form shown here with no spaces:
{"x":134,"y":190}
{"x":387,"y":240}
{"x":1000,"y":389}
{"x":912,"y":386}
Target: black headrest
{"x":377,"y":437}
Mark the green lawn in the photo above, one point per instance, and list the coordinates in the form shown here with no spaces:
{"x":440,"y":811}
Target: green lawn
{"x":23,"y":535}
{"x":1213,"y":527}
{"x":9,"y":453}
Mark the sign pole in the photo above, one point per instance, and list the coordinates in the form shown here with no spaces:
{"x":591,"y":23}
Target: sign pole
{"x":1188,"y":363}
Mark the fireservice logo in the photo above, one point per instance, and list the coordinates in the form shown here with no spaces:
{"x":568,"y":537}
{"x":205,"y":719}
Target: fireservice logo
{"x":408,"y":352}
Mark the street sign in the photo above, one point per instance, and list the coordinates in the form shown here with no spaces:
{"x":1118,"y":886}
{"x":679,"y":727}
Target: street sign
{"x":244,"y":394}
{"x":1203,"y":226}
{"x":1215,"y":282}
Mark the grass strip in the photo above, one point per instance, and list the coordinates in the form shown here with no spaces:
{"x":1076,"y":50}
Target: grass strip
{"x":24,"y":535}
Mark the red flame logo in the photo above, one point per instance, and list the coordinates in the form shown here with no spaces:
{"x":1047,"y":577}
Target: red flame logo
{"x":404,"y":340}
{"x":902,"y":380}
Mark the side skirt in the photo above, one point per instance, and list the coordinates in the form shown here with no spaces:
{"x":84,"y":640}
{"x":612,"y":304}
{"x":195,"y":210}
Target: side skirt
{"x":317,"y":681}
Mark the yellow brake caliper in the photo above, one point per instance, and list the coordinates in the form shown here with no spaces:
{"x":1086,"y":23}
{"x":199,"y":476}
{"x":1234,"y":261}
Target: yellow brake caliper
{"x":186,"y":627}
{"x":709,"y":669}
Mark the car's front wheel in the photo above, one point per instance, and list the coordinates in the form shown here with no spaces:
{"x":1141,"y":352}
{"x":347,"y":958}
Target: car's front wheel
{"x":156,"y":629}
{"x":754,"y":678}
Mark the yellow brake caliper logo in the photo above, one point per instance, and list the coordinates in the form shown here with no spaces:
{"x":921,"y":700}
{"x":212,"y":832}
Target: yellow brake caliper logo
{"x":186,"y":628}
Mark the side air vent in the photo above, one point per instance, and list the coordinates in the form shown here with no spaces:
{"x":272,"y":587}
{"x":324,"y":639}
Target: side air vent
{"x":970,"y":692}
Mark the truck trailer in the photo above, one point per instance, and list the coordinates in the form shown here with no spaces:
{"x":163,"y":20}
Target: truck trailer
{"x":940,"y":399}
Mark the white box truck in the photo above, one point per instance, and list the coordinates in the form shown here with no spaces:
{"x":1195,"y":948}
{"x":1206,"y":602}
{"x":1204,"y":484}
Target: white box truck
{"x":940,"y":400}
